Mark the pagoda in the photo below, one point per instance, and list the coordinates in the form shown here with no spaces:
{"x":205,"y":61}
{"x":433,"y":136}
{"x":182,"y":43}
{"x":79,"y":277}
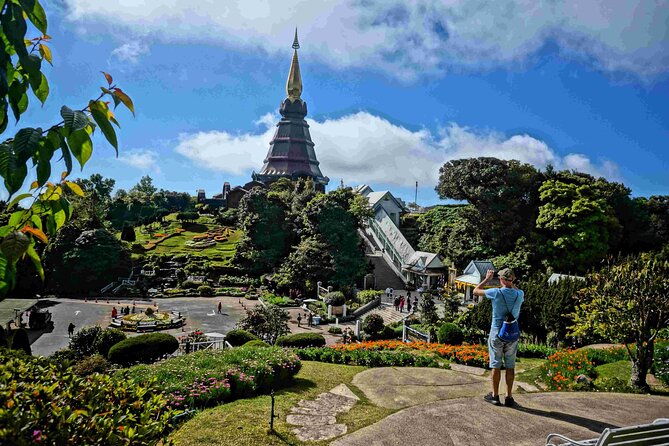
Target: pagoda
{"x":291,"y":151}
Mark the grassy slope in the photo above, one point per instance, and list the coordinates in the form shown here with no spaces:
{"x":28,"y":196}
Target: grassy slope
{"x":219,"y":255}
{"x":245,"y":422}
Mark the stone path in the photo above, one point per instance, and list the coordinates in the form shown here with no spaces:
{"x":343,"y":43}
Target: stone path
{"x":317,"y":418}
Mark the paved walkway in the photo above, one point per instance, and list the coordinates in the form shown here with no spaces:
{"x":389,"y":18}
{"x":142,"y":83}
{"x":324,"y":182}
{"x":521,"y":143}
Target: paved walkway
{"x":472,"y":421}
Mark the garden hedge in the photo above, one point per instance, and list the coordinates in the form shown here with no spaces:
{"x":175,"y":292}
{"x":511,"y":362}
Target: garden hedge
{"x":239,"y":337}
{"x":144,"y":348}
{"x":450,"y":334}
{"x":256,"y":343}
{"x":301,"y":340}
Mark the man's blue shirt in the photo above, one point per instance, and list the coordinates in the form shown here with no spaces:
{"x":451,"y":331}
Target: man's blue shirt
{"x":503,"y":298}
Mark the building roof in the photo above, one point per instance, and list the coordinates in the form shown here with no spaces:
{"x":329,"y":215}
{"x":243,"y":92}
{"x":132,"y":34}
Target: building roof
{"x":555,"y":278}
{"x":475,"y":272}
{"x":421,"y":262}
{"x":8,"y":306}
{"x":376,"y":197}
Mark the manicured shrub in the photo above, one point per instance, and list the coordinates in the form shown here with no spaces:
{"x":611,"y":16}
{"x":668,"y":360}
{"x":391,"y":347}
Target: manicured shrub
{"x":91,"y":364}
{"x":239,"y":337}
{"x":143,"y":348}
{"x":372,"y":325}
{"x":128,"y":233}
{"x":63,"y":355}
{"x":335,"y":298}
{"x":535,"y":351}
{"x":97,"y":409}
{"x":301,"y":340}
{"x":205,"y":290}
{"x":389,"y":333}
{"x":256,"y":343}
{"x":247,"y":371}
{"x":82,"y":342}
{"x":334,"y":329}
{"x":188,"y":284}
{"x":450,"y":334}
{"x":106,"y":339}
{"x":366,"y":296}
{"x":606,"y":355}
{"x":20,"y":340}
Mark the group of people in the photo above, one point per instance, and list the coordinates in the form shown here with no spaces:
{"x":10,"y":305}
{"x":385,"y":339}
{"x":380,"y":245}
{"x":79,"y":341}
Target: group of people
{"x":400,"y":302}
{"x":308,"y":316}
{"x":124,"y":311}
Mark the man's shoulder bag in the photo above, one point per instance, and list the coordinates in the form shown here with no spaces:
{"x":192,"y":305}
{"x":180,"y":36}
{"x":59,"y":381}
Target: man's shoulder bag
{"x":510,"y":331}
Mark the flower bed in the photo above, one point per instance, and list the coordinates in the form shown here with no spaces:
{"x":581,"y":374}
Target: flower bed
{"x":207,"y":378}
{"x":44,"y":402}
{"x":562,"y":368}
{"x":473,"y":355}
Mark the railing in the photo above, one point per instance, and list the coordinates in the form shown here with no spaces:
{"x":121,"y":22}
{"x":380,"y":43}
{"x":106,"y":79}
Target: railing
{"x":394,"y":255}
{"x":409,"y":334}
{"x":216,"y":344}
{"x":107,"y":288}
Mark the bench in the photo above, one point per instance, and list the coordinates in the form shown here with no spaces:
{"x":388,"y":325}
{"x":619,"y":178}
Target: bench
{"x":146,"y":326}
{"x":655,"y":433}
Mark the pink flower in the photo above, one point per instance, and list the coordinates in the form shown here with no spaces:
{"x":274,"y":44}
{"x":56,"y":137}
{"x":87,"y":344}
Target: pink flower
{"x":37,"y":435}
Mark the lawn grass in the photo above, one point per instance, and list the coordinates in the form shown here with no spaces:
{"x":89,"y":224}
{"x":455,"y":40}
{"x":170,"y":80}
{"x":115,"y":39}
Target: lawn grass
{"x":528,"y":370}
{"x":219,"y":255}
{"x":246,"y":422}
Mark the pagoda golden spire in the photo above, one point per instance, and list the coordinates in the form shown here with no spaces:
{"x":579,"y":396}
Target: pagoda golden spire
{"x":294,"y":82}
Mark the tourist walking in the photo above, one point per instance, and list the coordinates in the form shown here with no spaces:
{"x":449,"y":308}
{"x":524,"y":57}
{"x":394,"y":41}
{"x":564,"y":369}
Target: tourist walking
{"x":114,"y":312}
{"x":408,"y":305}
{"x":310,"y":320}
{"x":388,"y":292}
{"x":506,"y":301}
{"x":70,"y":330}
{"x":401,"y":303}
{"x":396,"y":303}
{"x":299,"y":319}
{"x":220,"y":308}
{"x":415,"y":303}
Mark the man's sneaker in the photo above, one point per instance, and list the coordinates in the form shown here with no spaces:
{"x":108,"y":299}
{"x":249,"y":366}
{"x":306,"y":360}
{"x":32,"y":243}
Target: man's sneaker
{"x":492,"y":399}
{"x":510,"y":402}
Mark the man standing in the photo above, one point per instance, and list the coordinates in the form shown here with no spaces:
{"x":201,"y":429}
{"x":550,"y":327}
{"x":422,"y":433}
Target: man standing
{"x":299,"y":319}
{"x":220,"y":308}
{"x":70,"y":329}
{"x":505,"y":300}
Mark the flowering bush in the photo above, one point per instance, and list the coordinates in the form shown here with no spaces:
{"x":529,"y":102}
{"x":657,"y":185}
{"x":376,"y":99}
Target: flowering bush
{"x":563,"y":366}
{"x":474,"y":355}
{"x":601,"y":356}
{"x":368,"y":358}
{"x":44,"y":402}
{"x":206,"y":378}
{"x":193,"y":336}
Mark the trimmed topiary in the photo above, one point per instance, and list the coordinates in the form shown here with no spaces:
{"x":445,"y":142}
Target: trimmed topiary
{"x":143,"y":348}
{"x":91,"y":364}
{"x":239,"y":337}
{"x":373,"y":324}
{"x":256,"y":343}
{"x":106,"y":339}
{"x":301,"y":340}
{"x":205,"y":290}
{"x":450,"y":334}
{"x":335,"y":298}
{"x":389,"y":333}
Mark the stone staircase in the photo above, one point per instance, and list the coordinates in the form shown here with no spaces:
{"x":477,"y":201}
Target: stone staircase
{"x":388,"y":313}
{"x":385,"y":276}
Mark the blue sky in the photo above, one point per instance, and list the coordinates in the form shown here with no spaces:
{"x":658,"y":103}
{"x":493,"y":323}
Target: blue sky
{"x":394,"y":89}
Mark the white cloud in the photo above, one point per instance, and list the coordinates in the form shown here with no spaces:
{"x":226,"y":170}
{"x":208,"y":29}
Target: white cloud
{"x":406,"y":38}
{"x":141,"y":159}
{"x":363,"y":148}
{"x":130,"y":52}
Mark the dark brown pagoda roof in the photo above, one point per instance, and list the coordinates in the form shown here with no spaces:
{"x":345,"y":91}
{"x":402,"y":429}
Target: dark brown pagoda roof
{"x":291,"y":151}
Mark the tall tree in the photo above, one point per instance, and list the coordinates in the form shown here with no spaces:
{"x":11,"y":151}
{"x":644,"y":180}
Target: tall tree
{"x":504,"y":193}
{"x":635,"y":293}
{"x":265,"y":241}
{"x":578,"y":223}
{"x":20,"y":74}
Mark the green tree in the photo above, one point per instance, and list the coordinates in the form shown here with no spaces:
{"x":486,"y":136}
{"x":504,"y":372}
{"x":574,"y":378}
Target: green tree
{"x":577,"y":222}
{"x":635,"y":293}
{"x":143,"y":190}
{"x":308,"y":264}
{"x":504,"y":193}
{"x":267,"y":322}
{"x":21,"y":61}
{"x":266,"y":237}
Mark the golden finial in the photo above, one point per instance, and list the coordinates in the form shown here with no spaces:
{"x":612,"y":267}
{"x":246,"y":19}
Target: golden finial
{"x":294,"y":83}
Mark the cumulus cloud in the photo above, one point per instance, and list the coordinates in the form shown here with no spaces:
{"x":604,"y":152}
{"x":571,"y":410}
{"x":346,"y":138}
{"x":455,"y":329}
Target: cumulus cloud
{"x":130,"y":52}
{"x":364,"y":148}
{"x":141,"y":159}
{"x":407,"y":38}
